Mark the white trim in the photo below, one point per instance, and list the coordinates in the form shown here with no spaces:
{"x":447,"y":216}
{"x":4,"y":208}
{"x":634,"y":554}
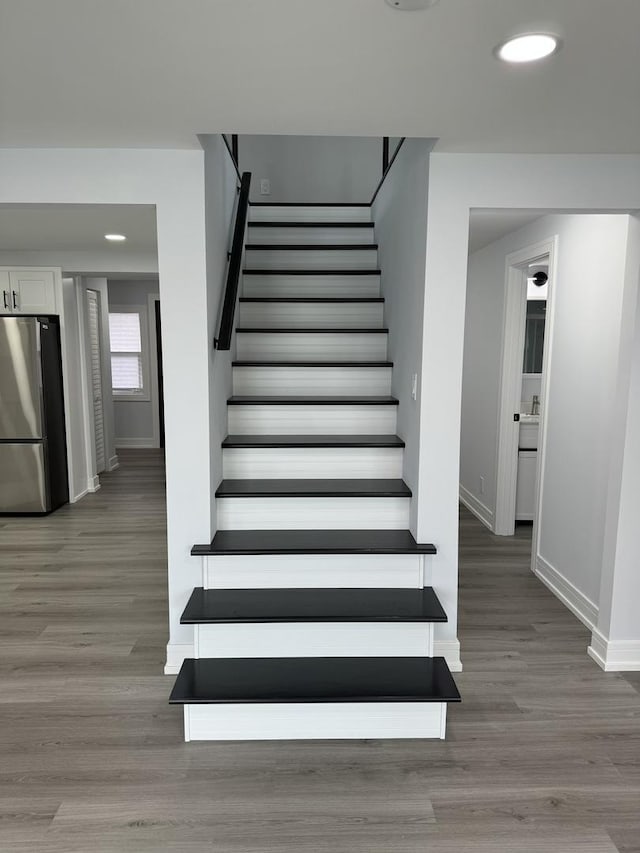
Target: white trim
{"x":176,"y":653}
{"x":511,"y":379}
{"x":93,"y":484}
{"x":450,"y":651}
{"x":114,"y":463}
{"x":480,"y":510}
{"x":569,"y":594}
{"x":311,"y":720}
{"x":614,"y":655}
{"x":144,"y":441}
{"x":73,"y":499}
{"x":152,"y":298}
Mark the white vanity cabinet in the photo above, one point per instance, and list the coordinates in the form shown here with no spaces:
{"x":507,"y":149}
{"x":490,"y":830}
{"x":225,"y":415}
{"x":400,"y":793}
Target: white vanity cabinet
{"x":527,"y":464}
{"x":27,"y":291}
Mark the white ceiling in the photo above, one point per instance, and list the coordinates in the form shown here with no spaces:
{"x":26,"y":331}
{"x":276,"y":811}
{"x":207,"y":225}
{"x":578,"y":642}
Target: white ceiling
{"x":78,"y":227}
{"x":487,"y":226}
{"x":154,"y":73}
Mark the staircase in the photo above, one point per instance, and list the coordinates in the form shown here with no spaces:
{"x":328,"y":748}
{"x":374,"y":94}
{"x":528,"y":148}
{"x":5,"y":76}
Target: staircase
{"x":315,"y":619}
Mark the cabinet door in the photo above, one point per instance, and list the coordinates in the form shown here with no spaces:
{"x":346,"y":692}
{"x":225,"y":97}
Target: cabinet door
{"x":32,"y":292}
{"x":5,"y":293}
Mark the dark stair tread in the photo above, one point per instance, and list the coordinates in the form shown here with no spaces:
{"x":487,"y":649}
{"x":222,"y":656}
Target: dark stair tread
{"x":230,"y":542}
{"x":296,"y":223}
{"x":310,"y":204}
{"x":311,"y":488}
{"x":277,"y":400}
{"x":316,"y":272}
{"x":208,"y":606}
{"x":292,"y":330}
{"x":313,"y":441}
{"x":312,"y":363}
{"x":308,"y":247}
{"x":317,"y":680}
{"x":319,"y":300}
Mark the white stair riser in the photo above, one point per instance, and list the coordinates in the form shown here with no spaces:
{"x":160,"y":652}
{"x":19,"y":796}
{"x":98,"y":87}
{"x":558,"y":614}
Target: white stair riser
{"x":314,"y":639}
{"x":311,"y":285}
{"x":312,"y":420}
{"x":311,"y":462}
{"x":315,"y":720}
{"x":284,"y":513}
{"x":315,"y":346}
{"x":311,"y":259}
{"x":279,"y":235}
{"x":347,"y":381}
{"x":312,"y":213}
{"x":310,"y":571}
{"x":318,"y":315}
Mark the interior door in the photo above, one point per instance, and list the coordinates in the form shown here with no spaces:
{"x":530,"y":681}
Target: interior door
{"x":95,"y":373}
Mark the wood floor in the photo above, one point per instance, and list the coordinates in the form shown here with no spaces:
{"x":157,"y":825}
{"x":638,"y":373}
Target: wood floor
{"x":542,"y":755}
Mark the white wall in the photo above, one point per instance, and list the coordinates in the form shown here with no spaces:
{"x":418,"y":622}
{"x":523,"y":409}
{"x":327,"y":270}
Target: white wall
{"x":458,"y":183}
{"x":312,"y":168}
{"x":588,"y":292}
{"x":136,"y":421}
{"x":110,"y":261}
{"x":220,"y":200}
{"x":400,"y":216}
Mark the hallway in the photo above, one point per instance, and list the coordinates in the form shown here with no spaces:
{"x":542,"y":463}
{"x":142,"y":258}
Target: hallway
{"x":542,"y":755}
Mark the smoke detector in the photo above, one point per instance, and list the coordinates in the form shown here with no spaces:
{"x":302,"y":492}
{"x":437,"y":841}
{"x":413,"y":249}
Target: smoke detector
{"x":410,"y":5}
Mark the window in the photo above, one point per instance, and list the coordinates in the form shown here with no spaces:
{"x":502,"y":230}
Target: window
{"x":129,"y":352}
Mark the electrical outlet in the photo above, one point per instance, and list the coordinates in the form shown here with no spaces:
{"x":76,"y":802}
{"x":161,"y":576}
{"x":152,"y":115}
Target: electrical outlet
{"x":265,"y":186}
{"x":482,"y":485}
{"x":414,"y":386}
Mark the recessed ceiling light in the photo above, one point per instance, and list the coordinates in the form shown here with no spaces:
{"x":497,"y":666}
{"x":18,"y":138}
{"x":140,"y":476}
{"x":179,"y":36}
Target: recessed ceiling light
{"x":115,"y":238}
{"x":410,"y":5}
{"x":528,"y":48}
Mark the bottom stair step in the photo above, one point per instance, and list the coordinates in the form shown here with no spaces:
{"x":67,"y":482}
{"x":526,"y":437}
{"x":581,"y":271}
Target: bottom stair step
{"x":292,"y":698}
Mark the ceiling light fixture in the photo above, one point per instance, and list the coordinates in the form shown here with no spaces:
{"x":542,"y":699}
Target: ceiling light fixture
{"x":115,"y":238}
{"x":410,"y":5}
{"x":529,"y":47}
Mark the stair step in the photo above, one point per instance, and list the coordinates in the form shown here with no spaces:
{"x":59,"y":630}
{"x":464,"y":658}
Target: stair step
{"x":313,"y":300}
{"x":322,"y":364}
{"x":328,"y":400}
{"x":236,"y":542}
{"x":309,"y":213}
{"x":296,"y":680}
{"x":313,"y":488}
{"x":327,"y":256}
{"x":311,"y":247}
{"x":207,"y":606}
{"x":322,"y":272}
{"x":318,"y":233}
{"x":264,"y":330}
{"x":313,"y":441}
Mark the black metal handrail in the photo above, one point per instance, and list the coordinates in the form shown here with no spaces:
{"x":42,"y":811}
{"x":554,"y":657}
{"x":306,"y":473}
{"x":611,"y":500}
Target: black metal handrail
{"x":223,"y":341}
{"x":389,"y":165}
{"x":233,"y":152}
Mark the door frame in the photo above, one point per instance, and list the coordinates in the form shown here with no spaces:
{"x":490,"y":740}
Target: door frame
{"x":513,"y":336}
{"x":152,"y":298}
{"x":93,"y":479}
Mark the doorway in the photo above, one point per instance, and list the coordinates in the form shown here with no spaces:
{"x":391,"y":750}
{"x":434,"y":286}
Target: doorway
{"x":525,"y":359}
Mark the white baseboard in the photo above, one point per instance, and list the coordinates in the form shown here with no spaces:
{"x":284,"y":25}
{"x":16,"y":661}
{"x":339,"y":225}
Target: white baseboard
{"x":93,"y":484}
{"x":614,"y":655}
{"x":568,"y":593}
{"x":450,"y":651}
{"x":127,"y":443}
{"x":113,"y":463}
{"x":75,"y":498}
{"x":480,"y":510}
{"x":176,"y":653}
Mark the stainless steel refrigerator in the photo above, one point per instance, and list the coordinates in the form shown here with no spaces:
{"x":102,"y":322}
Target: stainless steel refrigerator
{"x":33,"y":450}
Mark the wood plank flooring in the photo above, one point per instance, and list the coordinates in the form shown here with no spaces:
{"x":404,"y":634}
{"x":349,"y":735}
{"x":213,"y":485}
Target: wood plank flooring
{"x":542,"y":755}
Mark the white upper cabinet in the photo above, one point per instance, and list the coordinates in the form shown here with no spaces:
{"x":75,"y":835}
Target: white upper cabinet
{"x":28,"y":292}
